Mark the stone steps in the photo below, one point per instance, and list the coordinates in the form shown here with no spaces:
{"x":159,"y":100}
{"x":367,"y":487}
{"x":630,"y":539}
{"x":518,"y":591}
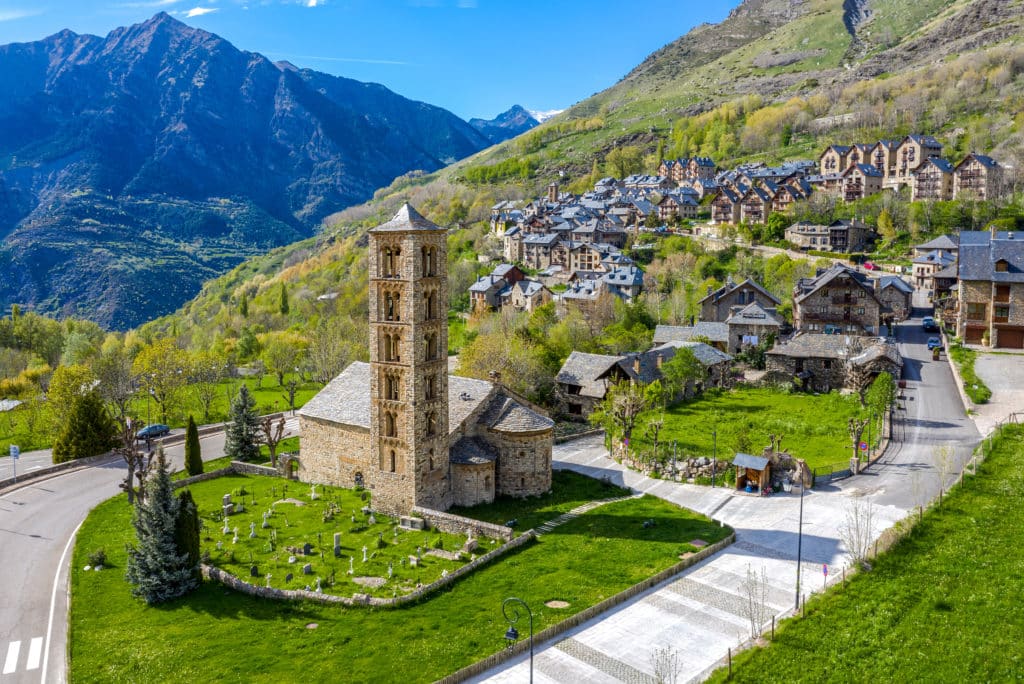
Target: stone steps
{"x":577,"y":512}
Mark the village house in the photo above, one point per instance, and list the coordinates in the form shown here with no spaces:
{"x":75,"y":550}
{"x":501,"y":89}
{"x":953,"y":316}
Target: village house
{"x":718,"y":304}
{"x":860,"y":181}
{"x":926,"y":265}
{"x":822,"y":363}
{"x":945,"y":243}
{"x":725,"y":208}
{"x":896,"y":296}
{"x":677,"y":206}
{"x":977,"y":177}
{"x":400,"y":425}
{"x":842,"y":235}
{"x":712,"y":333}
{"x":933,"y":180}
{"x":838,"y":299}
{"x":834,"y":160}
{"x":755,"y":205}
{"x":883,"y":157}
{"x":913,"y":151}
{"x":751,"y":325}
{"x":991,"y":289}
{"x":525,"y":295}
{"x":625,"y":282}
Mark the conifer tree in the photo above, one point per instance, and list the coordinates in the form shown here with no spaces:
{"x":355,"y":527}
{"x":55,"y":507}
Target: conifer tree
{"x":284,"y":299}
{"x":193,"y":453}
{"x":89,"y":430}
{"x":157,"y":568}
{"x":243,"y":433}
{"x":243,"y":305}
{"x":186,"y":530}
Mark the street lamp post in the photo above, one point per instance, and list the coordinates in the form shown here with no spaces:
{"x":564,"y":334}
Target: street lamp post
{"x":714,"y":454}
{"x":510,"y":611}
{"x":799,"y":544}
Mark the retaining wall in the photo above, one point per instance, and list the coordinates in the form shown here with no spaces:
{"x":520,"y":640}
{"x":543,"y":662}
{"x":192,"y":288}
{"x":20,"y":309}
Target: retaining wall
{"x":57,"y":468}
{"x":456,"y":524}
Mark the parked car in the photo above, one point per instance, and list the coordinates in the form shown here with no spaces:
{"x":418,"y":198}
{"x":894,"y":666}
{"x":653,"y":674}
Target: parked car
{"x":934,"y":343}
{"x":929,"y":324}
{"x":152,"y":431}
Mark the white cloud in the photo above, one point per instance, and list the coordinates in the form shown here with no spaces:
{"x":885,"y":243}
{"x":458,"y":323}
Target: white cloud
{"x":467,"y":4}
{"x":311,"y":3}
{"x":199,"y":11}
{"x":12,"y":15}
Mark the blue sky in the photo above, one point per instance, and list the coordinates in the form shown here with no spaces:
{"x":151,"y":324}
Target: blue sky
{"x":474,"y":57}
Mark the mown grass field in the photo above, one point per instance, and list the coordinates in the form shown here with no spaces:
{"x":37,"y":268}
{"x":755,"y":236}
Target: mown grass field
{"x":813,"y":427}
{"x":941,"y":606}
{"x":218,"y":635}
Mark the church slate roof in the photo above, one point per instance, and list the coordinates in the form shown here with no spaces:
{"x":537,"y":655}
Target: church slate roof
{"x":346,"y":398}
{"x":471,"y":451}
{"x":508,"y":415}
{"x":406,"y":219}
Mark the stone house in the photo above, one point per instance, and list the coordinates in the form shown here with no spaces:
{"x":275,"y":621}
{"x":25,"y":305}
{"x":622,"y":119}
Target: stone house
{"x":485,"y":293}
{"x":625,"y":282}
{"x":822,"y":363}
{"x":977,"y":176}
{"x":946,"y":243}
{"x":725,"y":208}
{"x":860,"y":181}
{"x":400,"y":425}
{"x":884,"y":156}
{"x":896,"y":296}
{"x":807,"y":236}
{"x":755,"y":205}
{"x":715,"y":334}
{"x":718,"y":304}
{"x":913,"y":151}
{"x":537,"y":250}
{"x":991,"y":289}
{"x":784,"y":196}
{"x":682,"y":206}
{"x":933,"y":180}
{"x":840,"y":298}
{"x":834,"y":160}
{"x":525,"y":295}
{"x":750,"y":325}
{"x":512,"y":244}
{"x":928,"y":264}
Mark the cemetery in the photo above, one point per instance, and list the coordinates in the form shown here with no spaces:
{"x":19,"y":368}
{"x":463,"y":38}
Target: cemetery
{"x":288,"y":535}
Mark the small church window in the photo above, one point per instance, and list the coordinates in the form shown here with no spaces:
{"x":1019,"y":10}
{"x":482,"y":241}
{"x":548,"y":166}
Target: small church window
{"x":430,"y":306}
{"x":391,"y":387}
{"x":392,"y":311}
{"x":429,"y":261}
{"x":393,"y":461}
{"x":390,"y":425}
{"x":430,"y":459}
{"x":430,"y":389}
{"x":431,"y":424}
{"x":430,"y":344}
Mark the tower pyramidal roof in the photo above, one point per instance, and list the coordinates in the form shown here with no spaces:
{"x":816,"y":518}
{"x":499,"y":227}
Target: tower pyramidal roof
{"x":407,"y":219}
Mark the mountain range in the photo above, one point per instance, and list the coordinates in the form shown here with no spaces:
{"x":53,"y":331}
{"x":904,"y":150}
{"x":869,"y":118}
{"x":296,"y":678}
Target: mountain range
{"x":136,"y":166}
{"x":506,"y":125}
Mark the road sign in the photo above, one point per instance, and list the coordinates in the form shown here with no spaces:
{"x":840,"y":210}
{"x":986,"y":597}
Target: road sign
{"x":863,"y":446}
{"x":15,"y":452}
{"x":824,"y":569}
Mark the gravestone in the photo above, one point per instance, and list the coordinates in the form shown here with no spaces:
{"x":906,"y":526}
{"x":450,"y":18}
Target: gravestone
{"x":337,"y":544}
{"x":292,"y":559}
{"x":470,"y":546}
{"x":226,"y":500}
{"x":252,"y":530}
{"x":414,"y":562}
{"x":227,"y":510}
{"x":268,"y":579}
{"x":372,"y":520}
{"x":364,"y":554}
{"x":350,"y":570}
{"x":307,"y":569}
{"x":307,"y":549}
{"x":288,"y":577}
{"x":254,"y":571}
{"x":412,"y":523}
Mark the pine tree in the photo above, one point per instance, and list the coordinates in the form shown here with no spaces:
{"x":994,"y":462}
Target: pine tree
{"x":284,"y":299}
{"x":186,"y":530}
{"x":89,"y":430}
{"x":158,"y":570}
{"x":242,"y":441}
{"x":243,"y":306}
{"x":193,"y":453}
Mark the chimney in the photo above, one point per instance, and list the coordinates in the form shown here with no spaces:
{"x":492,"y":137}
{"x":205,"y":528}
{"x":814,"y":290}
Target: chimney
{"x":992,"y":230}
{"x":660,"y":359}
{"x":636,"y":365}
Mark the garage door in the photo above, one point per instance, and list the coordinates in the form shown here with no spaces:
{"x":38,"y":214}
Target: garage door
{"x":1010,"y":339}
{"x":974,"y":335}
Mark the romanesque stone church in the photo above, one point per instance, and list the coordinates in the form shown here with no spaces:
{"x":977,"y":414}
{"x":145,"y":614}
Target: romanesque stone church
{"x":401,"y":425}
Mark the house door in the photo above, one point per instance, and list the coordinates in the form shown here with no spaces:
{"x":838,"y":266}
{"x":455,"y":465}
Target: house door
{"x":974,"y":335}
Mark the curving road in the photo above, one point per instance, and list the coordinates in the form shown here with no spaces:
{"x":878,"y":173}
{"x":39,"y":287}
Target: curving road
{"x":38,"y":521}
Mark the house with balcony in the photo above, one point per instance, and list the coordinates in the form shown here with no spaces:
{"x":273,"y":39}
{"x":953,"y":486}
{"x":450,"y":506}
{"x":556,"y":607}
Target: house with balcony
{"x":933,"y":180}
{"x":718,"y":304}
{"x":838,"y":299}
{"x":926,"y":265}
{"x":990,"y":289}
{"x":977,"y":176}
{"x":860,"y":181}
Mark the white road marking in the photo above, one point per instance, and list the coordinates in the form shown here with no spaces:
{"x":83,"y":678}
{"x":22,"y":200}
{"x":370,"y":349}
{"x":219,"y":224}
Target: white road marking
{"x":53,"y":601}
{"x":35,"y":467}
{"x":11,"y":664}
{"x":35,"y":653}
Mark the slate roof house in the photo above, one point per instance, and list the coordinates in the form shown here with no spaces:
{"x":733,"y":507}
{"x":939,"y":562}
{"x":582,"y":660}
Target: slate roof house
{"x":896,"y":296}
{"x":822,"y":363}
{"x":928,"y":264}
{"x":716,"y":333}
{"x":991,"y":289}
{"x":400,"y":425}
{"x":838,"y":297}
{"x":750,"y":325}
{"x":717,"y":304}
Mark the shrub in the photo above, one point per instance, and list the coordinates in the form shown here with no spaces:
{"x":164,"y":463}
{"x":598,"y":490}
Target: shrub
{"x":98,"y":557}
{"x":438,"y":543}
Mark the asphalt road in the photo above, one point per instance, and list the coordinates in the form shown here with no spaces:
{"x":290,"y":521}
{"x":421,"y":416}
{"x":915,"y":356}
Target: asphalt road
{"x":37,"y":526}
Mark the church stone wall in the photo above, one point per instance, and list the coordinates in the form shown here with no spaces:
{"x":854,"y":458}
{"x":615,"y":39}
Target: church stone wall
{"x":524,"y":464}
{"x":473,"y":483}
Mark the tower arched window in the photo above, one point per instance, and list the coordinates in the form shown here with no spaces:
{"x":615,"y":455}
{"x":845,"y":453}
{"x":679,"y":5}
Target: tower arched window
{"x":430,"y":459}
{"x":393,"y":461}
{"x":392,"y":309}
{"x":431,"y":424}
{"x":390,"y":425}
{"x":391,"y":387}
{"x":430,"y":347}
{"x":430,"y":306}
{"x":429,"y":255}
{"x":386,"y":347}
{"x":430,"y":387}
{"x":385,"y":261}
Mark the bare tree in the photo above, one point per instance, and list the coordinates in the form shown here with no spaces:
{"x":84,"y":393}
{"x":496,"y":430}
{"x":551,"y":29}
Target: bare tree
{"x":273,"y":432}
{"x":667,"y":665}
{"x":653,"y":430}
{"x":944,"y":465}
{"x":857,"y":427}
{"x":755,"y":605}
{"x":137,"y":460}
{"x":858,"y":530}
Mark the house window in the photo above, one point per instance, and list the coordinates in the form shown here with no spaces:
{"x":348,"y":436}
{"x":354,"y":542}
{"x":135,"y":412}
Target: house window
{"x":1002,"y":266}
{"x":1001,"y":314}
{"x":860,"y":311}
{"x":798,"y":366}
{"x":826,"y":364}
{"x":976,"y":311}
{"x":1002,"y":293}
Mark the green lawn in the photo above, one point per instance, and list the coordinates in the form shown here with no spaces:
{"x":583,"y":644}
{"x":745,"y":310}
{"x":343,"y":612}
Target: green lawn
{"x":813,"y":428}
{"x":568,"y":490}
{"x":219,"y":635}
{"x":941,"y":606}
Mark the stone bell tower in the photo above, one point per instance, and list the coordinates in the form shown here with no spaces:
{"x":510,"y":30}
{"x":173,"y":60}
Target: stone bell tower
{"x":408,"y":300}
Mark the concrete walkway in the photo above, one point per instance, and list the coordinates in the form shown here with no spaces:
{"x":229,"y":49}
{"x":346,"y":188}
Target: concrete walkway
{"x":700,"y":613}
